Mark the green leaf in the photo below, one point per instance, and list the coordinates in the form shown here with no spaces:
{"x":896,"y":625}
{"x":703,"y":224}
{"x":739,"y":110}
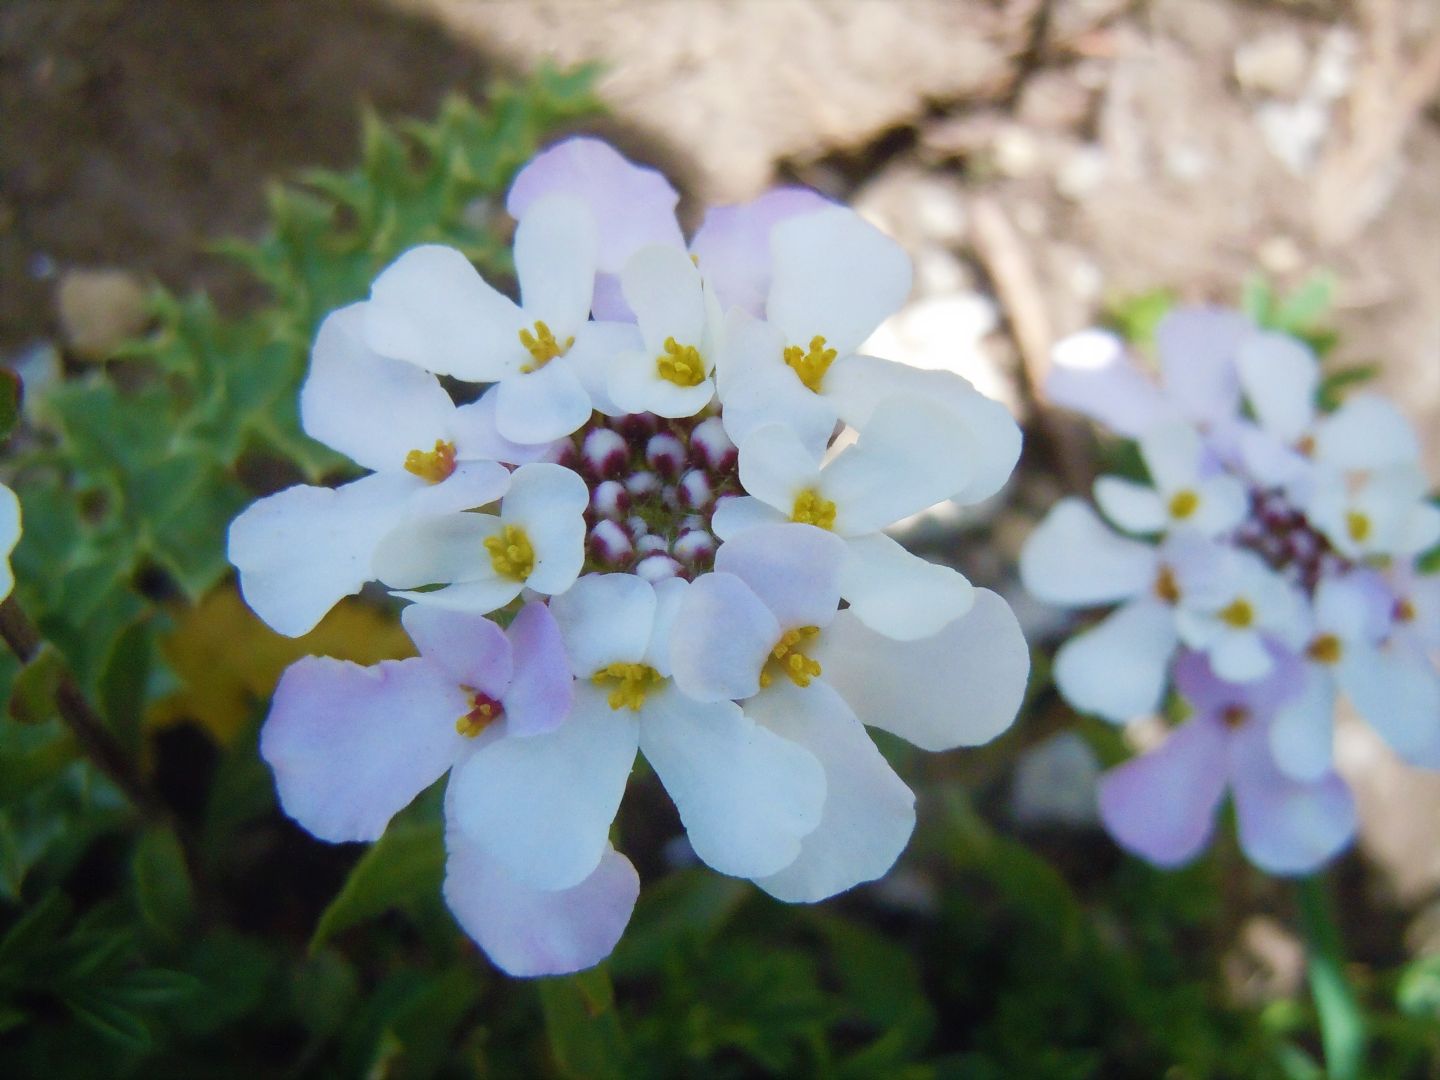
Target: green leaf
{"x":163,"y":890}
{"x":1135,"y":318}
{"x":1332,"y":388}
{"x":583,"y":1028}
{"x":325,"y":988}
{"x":683,"y":908}
{"x":32,"y":695}
{"x":405,"y":865}
{"x":1300,"y":311}
{"x":110,"y":1019}
{"x":124,"y":679}
{"x":1418,"y":993}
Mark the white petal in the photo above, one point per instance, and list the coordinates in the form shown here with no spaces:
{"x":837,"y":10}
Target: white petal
{"x":541,"y":406}
{"x":1398,"y":693}
{"x":542,"y":805}
{"x":632,"y":205}
{"x":736,"y":513}
{"x":555,"y":251}
{"x":303,"y":549}
{"x":435,"y":550}
{"x":472,"y":485}
{"x":899,"y":594}
{"x":869,"y":812}
{"x":834,"y":275}
{"x":9,"y":537}
{"x":1224,"y":503}
{"x":663,"y":288}
{"x":910,"y":455}
{"x":1280,"y":376}
{"x":1072,"y":558}
{"x":476,"y":430}
{"x":634,"y":385}
{"x":775,"y":466}
{"x":479,"y":597}
{"x":858,"y":384}
{"x":757,"y":387}
{"x":1241,"y":656}
{"x":597,"y":347}
{"x":793,"y":569}
{"x":605,"y":619}
{"x":1172,"y":454}
{"x":371,"y":409}
{"x":431,"y":308}
{"x":1119,"y":668}
{"x":352,"y":745}
{"x":960,"y":687}
{"x":530,"y":932}
{"x":548,"y":501}
{"x":745,"y":795}
{"x":1092,"y":374}
{"x":1302,"y":735}
{"x":1134,"y":507}
{"x":669,"y":598}
{"x":722,"y":637}
{"x":1197,"y":349}
{"x":1366,"y":432}
{"x":732,"y":244}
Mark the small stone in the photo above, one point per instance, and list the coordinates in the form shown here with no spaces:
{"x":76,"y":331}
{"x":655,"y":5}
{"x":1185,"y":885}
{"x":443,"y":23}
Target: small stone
{"x":1273,"y":64}
{"x":1082,"y":173}
{"x":100,"y":310}
{"x":1280,"y":255}
{"x":1017,"y":153}
{"x":1055,"y":783}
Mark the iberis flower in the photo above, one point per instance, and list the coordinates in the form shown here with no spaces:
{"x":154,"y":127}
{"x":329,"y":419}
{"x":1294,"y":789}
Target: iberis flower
{"x":640,"y":533}
{"x":1273,"y":558}
{"x":9,"y":537}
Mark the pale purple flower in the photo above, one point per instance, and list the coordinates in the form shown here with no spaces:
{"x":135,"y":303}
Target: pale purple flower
{"x":1163,"y":804}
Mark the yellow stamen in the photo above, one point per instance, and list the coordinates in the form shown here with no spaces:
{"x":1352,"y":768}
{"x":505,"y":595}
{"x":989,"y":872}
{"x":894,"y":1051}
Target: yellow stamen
{"x":632,"y":683}
{"x":1238,"y":614}
{"x":1325,"y":649}
{"x":681,"y":364}
{"x":1184,"y":503}
{"x":787,"y":658}
{"x":810,"y":366}
{"x":1166,"y":587}
{"x":511,"y":553}
{"x":542,"y":347}
{"x":1358,"y":526}
{"x":484,"y":711}
{"x":1405,"y":610}
{"x":1306,"y":445}
{"x":811,"y":509}
{"x":432,"y":465}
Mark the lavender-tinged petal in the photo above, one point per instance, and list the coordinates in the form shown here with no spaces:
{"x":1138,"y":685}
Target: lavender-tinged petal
{"x":470,"y":649}
{"x":1161,"y":805}
{"x":543,"y":690}
{"x":733,"y":244}
{"x":351,"y":746}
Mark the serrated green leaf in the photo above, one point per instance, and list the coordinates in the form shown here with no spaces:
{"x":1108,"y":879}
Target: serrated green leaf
{"x":406,"y":864}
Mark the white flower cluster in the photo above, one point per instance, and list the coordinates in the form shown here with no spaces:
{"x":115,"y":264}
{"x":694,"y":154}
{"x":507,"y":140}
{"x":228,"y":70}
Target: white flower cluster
{"x":1277,"y":561}
{"x":642,"y":535}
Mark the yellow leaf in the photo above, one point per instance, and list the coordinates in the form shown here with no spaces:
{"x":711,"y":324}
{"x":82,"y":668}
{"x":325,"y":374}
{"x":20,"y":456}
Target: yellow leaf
{"x":227,"y":660}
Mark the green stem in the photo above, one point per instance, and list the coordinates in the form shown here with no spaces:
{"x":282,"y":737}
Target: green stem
{"x":1342,"y":1025}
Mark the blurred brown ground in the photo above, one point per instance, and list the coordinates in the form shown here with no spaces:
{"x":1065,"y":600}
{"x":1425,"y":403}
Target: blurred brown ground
{"x":1050,"y":155}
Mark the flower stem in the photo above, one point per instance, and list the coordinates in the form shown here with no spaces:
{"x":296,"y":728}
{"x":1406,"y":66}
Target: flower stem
{"x":1342,"y":1025}
{"x":84,"y":722}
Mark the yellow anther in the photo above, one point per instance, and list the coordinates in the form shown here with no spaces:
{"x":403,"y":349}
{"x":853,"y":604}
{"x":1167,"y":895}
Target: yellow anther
{"x":484,"y":711}
{"x":1238,"y":613}
{"x":681,"y":364}
{"x":542,"y":347}
{"x":1325,"y":649}
{"x":1306,"y":445}
{"x":1405,"y":610}
{"x":1184,"y":503}
{"x":432,"y":465}
{"x":511,"y":553}
{"x":1358,"y":526}
{"x":1166,"y":587}
{"x":632,"y":683}
{"x":811,"y":509}
{"x":810,"y":366}
{"x":788,"y":658}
